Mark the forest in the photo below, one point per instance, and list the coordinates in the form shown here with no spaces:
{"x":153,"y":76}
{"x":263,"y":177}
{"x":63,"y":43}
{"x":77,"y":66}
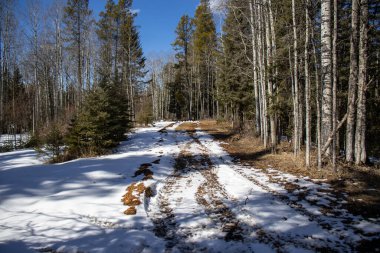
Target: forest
{"x":258,"y":131}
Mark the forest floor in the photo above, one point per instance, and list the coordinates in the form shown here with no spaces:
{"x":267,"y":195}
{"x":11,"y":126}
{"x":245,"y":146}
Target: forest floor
{"x":176,"y":187}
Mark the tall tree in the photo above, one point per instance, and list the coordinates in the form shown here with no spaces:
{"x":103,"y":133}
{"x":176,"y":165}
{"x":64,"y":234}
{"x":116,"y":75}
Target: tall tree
{"x":131,"y":56}
{"x":326,"y":68}
{"x":204,"y":48}
{"x":182,"y":43}
{"x":296,"y":95}
{"x":307,"y":85}
{"x":360,"y":149}
{"x":234,"y":81}
{"x":353,"y":79}
{"x":77,"y":22}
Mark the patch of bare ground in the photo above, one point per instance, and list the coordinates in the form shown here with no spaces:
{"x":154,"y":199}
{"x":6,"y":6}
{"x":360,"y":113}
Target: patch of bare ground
{"x":188,"y":127}
{"x":360,"y":183}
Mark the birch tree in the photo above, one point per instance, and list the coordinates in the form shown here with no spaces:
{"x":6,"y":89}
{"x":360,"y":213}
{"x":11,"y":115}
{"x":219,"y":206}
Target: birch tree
{"x":326,"y":68}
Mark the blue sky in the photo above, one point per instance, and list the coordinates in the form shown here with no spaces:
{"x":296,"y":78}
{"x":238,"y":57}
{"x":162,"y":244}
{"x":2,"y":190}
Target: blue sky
{"x":157,"y":20}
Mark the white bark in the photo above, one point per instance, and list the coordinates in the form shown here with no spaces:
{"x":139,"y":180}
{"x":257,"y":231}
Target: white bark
{"x":326,"y":65}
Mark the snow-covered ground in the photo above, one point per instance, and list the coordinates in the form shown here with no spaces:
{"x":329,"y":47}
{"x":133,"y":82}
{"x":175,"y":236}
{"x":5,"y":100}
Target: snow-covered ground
{"x":13,"y":140}
{"x":201,"y":201}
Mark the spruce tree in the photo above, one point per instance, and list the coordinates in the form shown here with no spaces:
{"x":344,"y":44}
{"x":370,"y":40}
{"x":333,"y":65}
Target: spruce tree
{"x":181,"y":93}
{"x":131,"y":57}
{"x":204,"y":50}
{"x":89,"y":132}
{"x":234,"y":82}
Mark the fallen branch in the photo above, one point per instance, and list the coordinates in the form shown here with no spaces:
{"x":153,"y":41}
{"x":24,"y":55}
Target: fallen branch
{"x":329,"y":140}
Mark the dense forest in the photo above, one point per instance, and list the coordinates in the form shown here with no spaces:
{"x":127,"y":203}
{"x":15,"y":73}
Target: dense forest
{"x":306,"y":72}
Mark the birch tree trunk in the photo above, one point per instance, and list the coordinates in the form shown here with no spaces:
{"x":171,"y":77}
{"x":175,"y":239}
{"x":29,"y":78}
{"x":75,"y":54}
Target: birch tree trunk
{"x":353,"y":80}
{"x":326,"y":66}
{"x":335,"y":80}
{"x":271,"y":71}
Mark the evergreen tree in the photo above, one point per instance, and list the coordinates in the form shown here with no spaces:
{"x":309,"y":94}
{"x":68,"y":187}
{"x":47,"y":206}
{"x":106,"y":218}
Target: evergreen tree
{"x":109,"y":80}
{"x":89,"y":132}
{"x":234,"y":82}
{"x":182,"y":43}
{"x":131,"y":57}
{"x":204,"y":50}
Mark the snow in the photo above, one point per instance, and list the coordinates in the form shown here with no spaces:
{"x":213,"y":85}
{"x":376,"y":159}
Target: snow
{"x":75,"y":206}
{"x":12,"y":139}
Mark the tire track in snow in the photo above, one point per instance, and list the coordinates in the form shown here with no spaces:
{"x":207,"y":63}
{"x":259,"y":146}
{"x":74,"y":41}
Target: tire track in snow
{"x":189,"y":167}
{"x":329,"y":224}
{"x":217,"y":209}
{"x":195,"y":160}
{"x":211,"y":195}
{"x":164,"y":219}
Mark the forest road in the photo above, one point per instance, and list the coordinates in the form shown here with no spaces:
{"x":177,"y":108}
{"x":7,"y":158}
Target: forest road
{"x":212,"y":203}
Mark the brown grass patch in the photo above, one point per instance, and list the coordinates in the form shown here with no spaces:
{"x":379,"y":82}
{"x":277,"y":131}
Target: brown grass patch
{"x":362,"y":184}
{"x":187,"y":126}
{"x":132,"y":197}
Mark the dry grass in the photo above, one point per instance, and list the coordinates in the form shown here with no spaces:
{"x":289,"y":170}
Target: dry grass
{"x":132,"y":197}
{"x":187,"y":126}
{"x":362,"y":184}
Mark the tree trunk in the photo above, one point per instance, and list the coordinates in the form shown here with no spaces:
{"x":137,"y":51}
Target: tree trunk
{"x":326,"y":65}
{"x":254,"y":68}
{"x":318,"y":105}
{"x":352,"y":83}
{"x":335,"y":80}
{"x":360,"y":150}
{"x":307,"y":86}
{"x":296,"y":137}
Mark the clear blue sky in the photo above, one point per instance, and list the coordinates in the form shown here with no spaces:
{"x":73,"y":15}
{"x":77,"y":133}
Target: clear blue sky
{"x":157,"y":20}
